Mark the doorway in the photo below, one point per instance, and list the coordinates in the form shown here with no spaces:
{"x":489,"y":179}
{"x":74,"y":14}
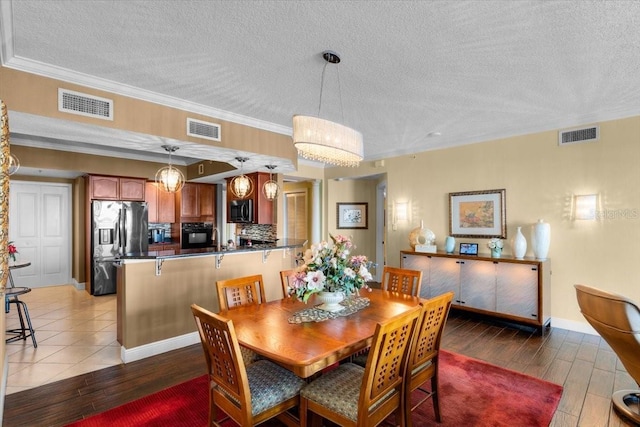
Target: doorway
{"x":40,"y":228}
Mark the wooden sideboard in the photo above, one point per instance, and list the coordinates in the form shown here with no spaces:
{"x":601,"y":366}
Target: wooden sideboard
{"x":507,"y":288}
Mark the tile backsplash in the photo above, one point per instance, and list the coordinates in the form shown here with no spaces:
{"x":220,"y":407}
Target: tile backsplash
{"x":258,"y":231}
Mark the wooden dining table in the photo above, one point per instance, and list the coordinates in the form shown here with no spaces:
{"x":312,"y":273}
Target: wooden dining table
{"x":307,"y":348}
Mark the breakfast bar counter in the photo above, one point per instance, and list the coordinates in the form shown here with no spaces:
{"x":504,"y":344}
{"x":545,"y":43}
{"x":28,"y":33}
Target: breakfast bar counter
{"x":155,"y":291}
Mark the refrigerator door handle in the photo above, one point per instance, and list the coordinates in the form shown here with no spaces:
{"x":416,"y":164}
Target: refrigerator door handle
{"x":123,"y":225}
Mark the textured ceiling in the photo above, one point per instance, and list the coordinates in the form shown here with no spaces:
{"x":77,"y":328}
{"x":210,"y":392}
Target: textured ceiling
{"x":470,"y":71}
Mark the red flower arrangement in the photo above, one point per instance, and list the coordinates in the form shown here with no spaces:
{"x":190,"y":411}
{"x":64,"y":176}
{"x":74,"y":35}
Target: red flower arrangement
{"x":12,"y":251}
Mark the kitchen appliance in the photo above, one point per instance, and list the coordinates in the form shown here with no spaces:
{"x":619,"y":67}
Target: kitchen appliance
{"x":117,"y":228}
{"x":158,"y":235}
{"x":241,"y":211}
{"x":196,"y":235}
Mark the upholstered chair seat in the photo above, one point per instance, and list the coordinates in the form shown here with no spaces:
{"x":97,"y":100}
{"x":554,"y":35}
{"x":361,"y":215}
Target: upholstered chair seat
{"x":338,"y":390}
{"x":270,"y":385}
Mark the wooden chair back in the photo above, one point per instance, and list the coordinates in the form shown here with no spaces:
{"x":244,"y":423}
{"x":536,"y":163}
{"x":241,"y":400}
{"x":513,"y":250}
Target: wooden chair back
{"x":285,"y":279}
{"x":229,"y":389}
{"x":423,"y":357}
{"x":233,"y":293}
{"x":401,"y":280}
{"x":382,"y":385}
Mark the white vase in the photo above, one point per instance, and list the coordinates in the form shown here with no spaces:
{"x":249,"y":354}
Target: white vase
{"x":449,"y":244}
{"x":541,"y":239}
{"x":519,"y":244}
{"x":331,"y":301}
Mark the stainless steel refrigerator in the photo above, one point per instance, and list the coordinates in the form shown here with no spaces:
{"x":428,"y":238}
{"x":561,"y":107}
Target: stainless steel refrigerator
{"x":118,"y":228}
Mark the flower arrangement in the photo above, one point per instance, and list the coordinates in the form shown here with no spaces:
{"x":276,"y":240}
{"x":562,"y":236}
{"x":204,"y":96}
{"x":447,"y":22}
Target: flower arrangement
{"x":496,"y":246}
{"x":331,"y":268}
{"x":12,"y":251}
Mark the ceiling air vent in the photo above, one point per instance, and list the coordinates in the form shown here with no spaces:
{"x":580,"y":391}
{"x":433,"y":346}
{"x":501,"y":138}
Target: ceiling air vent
{"x":85,"y":105}
{"x":572,"y":136}
{"x":201,"y":129}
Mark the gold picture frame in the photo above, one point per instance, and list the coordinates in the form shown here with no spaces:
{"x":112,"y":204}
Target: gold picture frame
{"x":478,"y":214}
{"x":352,"y":215}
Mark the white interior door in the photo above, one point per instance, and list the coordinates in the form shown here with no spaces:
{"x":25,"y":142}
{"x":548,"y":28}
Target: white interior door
{"x":40,"y":227}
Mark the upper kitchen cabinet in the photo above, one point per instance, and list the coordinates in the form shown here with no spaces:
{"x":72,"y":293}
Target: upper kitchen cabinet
{"x":263,"y":211}
{"x":162,"y":205}
{"x":116,"y":188}
{"x":196,"y":202}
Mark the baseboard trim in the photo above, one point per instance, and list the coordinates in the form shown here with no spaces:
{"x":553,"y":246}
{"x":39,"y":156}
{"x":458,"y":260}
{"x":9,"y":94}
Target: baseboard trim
{"x":572,"y":325}
{"x":152,"y":349}
{"x":3,"y":386}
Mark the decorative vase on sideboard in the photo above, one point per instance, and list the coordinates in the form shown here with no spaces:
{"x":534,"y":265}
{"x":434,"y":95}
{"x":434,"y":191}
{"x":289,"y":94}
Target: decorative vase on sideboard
{"x":496,"y":252}
{"x":449,"y":244}
{"x":519,"y":244}
{"x":541,"y":239}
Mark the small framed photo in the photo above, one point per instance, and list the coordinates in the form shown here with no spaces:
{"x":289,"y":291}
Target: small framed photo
{"x":352,"y":215}
{"x":468,"y":249}
{"x":478,"y":214}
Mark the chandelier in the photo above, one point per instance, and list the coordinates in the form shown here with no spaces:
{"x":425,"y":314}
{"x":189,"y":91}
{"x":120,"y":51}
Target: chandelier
{"x":169,"y":178}
{"x":270,"y":188}
{"x":241,"y":186}
{"x":324,"y":140}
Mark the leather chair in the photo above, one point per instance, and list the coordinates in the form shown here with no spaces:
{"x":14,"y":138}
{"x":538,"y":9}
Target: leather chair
{"x":423,"y":362}
{"x":401,"y":280}
{"x":617,"y":320}
{"x":247,"y":394}
{"x":351,"y":395}
{"x":240,"y":291}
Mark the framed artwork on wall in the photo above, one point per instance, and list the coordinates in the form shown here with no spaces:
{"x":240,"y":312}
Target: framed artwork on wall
{"x":352,"y":215}
{"x":478,"y":214}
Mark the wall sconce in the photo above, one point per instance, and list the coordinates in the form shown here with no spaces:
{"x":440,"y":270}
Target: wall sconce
{"x":401,"y":212}
{"x":585,"y":207}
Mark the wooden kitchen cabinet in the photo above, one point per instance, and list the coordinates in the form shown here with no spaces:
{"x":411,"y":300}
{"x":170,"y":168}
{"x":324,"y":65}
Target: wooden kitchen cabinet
{"x":263,"y":208}
{"x":116,"y":188}
{"x":196,"y":202}
{"x":514,"y":290}
{"x":161,"y":204}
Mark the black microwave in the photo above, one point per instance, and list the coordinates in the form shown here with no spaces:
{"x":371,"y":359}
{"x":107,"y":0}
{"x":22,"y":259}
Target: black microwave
{"x":241,"y":211}
{"x":196,"y":235}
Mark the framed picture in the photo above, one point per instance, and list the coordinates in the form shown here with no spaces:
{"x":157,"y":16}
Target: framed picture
{"x":478,"y":214}
{"x":468,"y":249}
{"x":352,"y":215}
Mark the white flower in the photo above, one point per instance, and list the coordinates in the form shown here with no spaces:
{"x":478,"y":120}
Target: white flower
{"x":495,"y":243}
{"x":315,"y":280}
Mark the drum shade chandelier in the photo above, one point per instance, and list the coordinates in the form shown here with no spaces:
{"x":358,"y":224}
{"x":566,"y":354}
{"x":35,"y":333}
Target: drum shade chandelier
{"x":241,"y":186}
{"x":169,"y":178}
{"x":324,"y":140}
{"x":270,"y":188}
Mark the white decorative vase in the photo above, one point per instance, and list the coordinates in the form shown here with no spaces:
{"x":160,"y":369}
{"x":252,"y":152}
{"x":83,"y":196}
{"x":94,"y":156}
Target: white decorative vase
{"x":519,"y":244}
{"x":421,"y":236}
{"x":449,"y":244}
{"x":541,"y":239}
{"x":331,"y":301}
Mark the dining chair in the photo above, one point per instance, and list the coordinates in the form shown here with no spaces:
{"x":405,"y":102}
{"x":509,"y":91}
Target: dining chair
{"x":401,"y":280}
{"x":351,"y":395}
{"x":423,"y":363}
{"x":286,"y":276}
{"x":249,"y":395}
{"x":233,"y":293}
{"x":617,"y":320}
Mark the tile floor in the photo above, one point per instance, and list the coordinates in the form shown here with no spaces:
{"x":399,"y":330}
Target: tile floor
{"x":76,"y":333}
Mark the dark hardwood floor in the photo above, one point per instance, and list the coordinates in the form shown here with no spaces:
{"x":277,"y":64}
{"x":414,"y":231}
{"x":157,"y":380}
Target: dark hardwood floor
{"x":583,"y":364}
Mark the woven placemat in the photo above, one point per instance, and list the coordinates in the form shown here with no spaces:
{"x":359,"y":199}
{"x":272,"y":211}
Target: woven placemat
{"x":315,"y":314}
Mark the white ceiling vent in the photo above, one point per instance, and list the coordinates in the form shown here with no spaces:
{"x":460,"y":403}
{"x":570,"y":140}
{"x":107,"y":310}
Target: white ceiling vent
{"x":85,"y":105}
{"x":573,"y":136}
{"x":201,"y":129}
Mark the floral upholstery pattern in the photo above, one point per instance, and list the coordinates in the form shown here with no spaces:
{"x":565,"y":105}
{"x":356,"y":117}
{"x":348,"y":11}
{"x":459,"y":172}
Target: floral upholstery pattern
{"x":271,"y":384}
{"x":337,"y":390}
{"x":248,"y":356}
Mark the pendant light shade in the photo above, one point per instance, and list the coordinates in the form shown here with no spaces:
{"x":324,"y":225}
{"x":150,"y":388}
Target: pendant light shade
{"x":270,"y":189}
{"x":323,"y":140}
{"x":241,"y":186}
{"x":14,"y":164}
{"x":169,"y":178}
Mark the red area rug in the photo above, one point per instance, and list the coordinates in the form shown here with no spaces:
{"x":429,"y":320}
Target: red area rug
{"x":473,"y":393}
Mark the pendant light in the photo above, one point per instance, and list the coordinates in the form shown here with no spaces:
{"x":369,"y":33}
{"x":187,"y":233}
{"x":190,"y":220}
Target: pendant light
{"x":270,"y":188}
{"x":241,"y":186}
{"x":169,"y":178}
{"x":323,"y":140}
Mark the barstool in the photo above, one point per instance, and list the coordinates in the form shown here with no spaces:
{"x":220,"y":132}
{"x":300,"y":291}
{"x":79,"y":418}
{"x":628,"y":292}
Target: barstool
{"x":11,"y":297}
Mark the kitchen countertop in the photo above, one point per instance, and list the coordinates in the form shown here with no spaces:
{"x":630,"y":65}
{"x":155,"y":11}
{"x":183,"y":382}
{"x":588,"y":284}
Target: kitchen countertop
{"x":182,"y":253}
